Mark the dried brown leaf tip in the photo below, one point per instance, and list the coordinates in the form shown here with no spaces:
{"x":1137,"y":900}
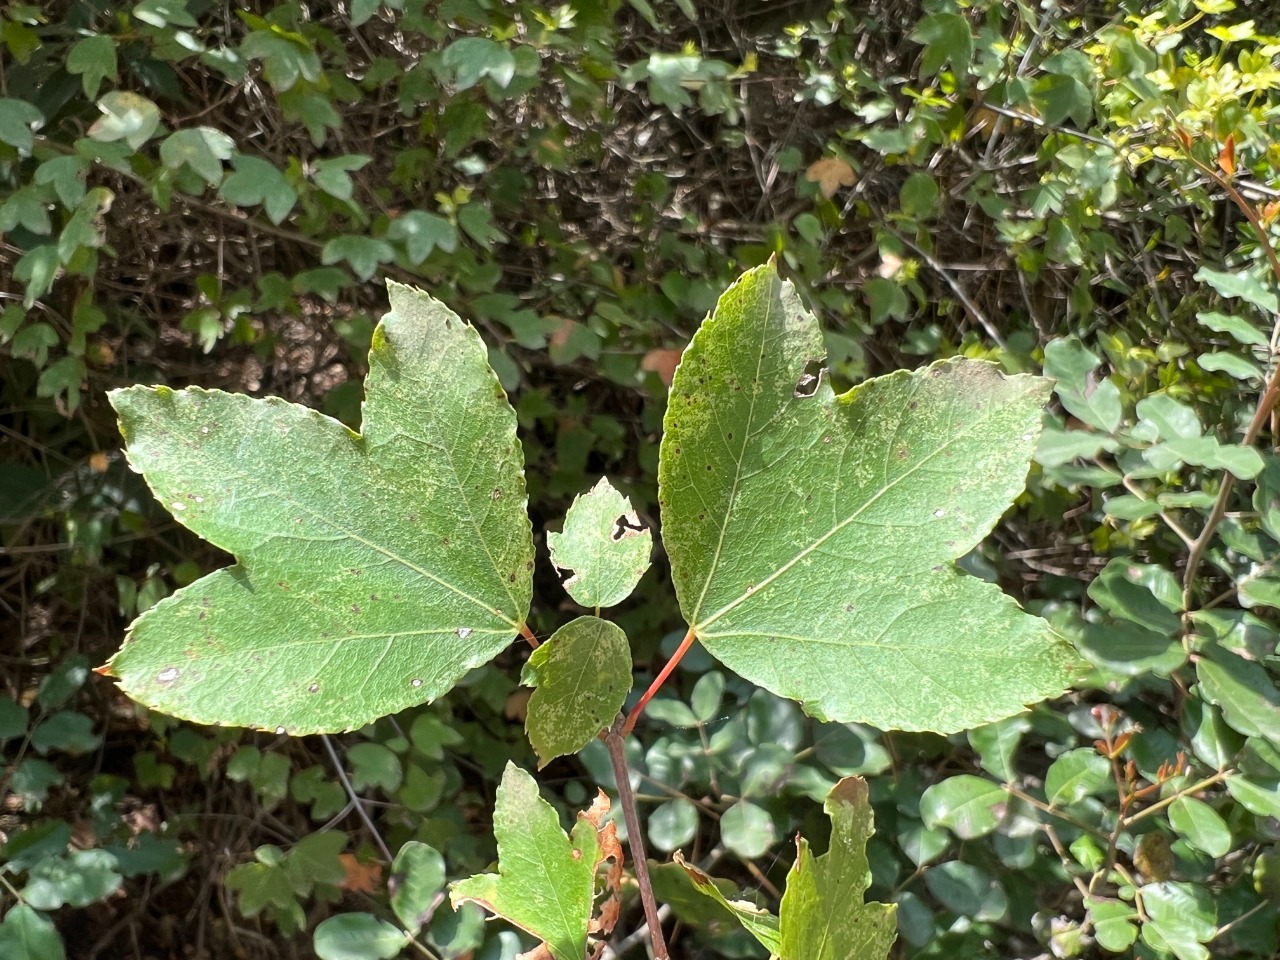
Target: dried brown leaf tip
{"x":610,"y":908}
{"x":830,"y":174}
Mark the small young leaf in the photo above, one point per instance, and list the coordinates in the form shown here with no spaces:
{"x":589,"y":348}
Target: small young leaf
{"x":259,"y":181}
{"x":812,"y":537}
{"x":823,"y":916}
{"x":94,"y":59}
{"x":604,"y":545}
{"x":127,"y":116}
{"x":546,"y":880}
{"x":582,"y":675}
{"x":473,"y":58}
{"x":947,"y":39}
{"x":17,"y":122}
{"x":422,"y":232}
{"x":201,"y":148}
{"x":375,"y":570}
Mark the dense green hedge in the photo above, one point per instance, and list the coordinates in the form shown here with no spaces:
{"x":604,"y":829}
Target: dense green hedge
{"x":201,"y":193}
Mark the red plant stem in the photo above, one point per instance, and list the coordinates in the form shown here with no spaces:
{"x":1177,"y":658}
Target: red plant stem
{"x":528,"y":635}
{"x":635,"y":838}
{"x":658,"y":681}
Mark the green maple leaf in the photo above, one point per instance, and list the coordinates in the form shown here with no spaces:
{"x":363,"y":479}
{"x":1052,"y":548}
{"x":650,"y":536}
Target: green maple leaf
{"x":582,"y":674}
{"x":812,"y":537}
{"x":546,"y":880}
{"x":822,"y":916}
{"x":375,"y":569}
{"x":604,"y":545}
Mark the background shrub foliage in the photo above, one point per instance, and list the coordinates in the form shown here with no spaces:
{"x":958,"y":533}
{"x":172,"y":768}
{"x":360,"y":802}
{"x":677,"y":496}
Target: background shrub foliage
{"x":197,"y":192}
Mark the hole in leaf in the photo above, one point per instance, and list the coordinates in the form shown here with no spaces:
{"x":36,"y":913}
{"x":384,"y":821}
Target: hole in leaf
{"x":627,"y":525}
{"x":807,"y":385}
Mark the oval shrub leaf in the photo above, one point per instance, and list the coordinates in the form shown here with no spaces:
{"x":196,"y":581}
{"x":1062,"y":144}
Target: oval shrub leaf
{"x":969,"y":806}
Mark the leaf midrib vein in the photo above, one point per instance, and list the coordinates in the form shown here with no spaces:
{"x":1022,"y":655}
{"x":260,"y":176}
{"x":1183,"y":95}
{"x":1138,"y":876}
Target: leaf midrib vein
{"x":389,"y":554}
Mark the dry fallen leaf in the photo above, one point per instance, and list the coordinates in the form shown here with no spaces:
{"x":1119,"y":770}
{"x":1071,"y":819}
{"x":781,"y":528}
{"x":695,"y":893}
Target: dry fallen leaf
{"x":662,"y":362}
{"x":830,"y":174}
{"x":361,"y":877}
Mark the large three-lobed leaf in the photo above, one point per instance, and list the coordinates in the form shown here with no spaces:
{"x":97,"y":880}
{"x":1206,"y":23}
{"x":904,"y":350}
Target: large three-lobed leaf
{"x":812,"y":537}
{"x":374,"y":569}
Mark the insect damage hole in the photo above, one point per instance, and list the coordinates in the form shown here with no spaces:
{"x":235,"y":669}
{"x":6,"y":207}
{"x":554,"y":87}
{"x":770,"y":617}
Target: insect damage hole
{"x":810,"y":378}
{"x":627,"y":525}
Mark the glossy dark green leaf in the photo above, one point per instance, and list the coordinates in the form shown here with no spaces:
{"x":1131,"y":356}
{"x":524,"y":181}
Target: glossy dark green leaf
{"x":1201,"y":825}
{"x":967,"y":890}
{"x":997,"y":745}
{"x":969,"y":806}
{"x":357,"y":936}
{"x":417,"y":878}
{"x":1075,"y":775}
{"x":1243,"y":690}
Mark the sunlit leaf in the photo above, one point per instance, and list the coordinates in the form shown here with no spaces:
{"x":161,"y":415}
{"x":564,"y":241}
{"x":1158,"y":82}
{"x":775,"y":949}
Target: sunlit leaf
{"x":604,"y":547}
{"x":823,"y":916}
{"x":812,"y":537}
{"x":545,"y":884}
{"x":375,"y":569}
